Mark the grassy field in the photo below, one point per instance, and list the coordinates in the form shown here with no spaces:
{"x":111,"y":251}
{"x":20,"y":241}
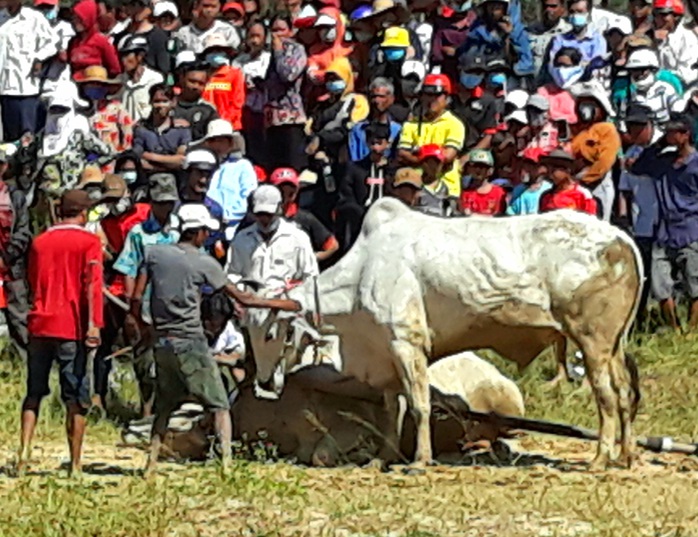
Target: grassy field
{"x":546,"y":491}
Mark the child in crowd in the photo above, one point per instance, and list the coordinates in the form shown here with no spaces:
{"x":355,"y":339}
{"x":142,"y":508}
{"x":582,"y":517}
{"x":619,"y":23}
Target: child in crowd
{"x":479,"y":195}
{"x":434,"y":198}
{"x":525,"y":198}
{"x":566,"y":192}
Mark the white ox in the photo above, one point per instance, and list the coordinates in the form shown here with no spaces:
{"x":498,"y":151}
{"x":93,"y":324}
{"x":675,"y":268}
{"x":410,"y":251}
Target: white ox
{"x":416,"y":288}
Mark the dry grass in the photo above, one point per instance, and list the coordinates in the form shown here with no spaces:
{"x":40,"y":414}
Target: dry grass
{"x":537,"y":496}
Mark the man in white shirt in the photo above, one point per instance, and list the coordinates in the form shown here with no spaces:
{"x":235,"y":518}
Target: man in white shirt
{"x":26,"y":40}
{"x":204,"y":23}
{"x":272,"y":252}
{"x":677,"y":45}
{"x":137,"y":78}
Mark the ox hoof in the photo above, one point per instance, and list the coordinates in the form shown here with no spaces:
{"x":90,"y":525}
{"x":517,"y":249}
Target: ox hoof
{"x":599,"y":464}
{"x":625,"y":461}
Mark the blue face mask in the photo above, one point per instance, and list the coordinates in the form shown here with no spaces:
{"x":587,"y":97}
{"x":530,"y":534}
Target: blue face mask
{"x":578,"y":20}
{"x":51,"y":15}
{"x":217,"y":59}
{"x":564,"y":77}
{"x":470,"y":81}
{"x":394,"y":54}
{"x":96,"y":93}
{"x":336,"y":86}
{"x":498,"y":79}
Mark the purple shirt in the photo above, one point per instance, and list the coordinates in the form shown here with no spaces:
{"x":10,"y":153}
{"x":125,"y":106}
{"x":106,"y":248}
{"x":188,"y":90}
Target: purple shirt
{"x":677,"y":194}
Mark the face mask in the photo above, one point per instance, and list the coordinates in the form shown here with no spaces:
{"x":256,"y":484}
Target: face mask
{"x":51,"y":15}
{"x":129,"y":176}
{"x":329,"y":35}
{"x":336,"y":86}
{"x":217,"y":59}
{"x":498,"y":79}
{"x":586,"y":112}
{"x":564,"y":77}
{"x":470,"y":81}
{"x":465,"y":181}
{"x":121,"y":206}
{"x":96,"y":93}
{"x":578,"y":21}
{"x":271,"y":228}
{"x":394,"y":54}
{"x":645,"y":83}
{"x":537,"y":119}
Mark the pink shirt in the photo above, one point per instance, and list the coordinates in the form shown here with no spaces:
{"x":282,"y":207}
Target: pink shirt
{"x":562,"y":104}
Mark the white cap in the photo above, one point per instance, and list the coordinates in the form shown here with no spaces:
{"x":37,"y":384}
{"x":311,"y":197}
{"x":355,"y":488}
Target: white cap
{"x":186,"y":56}
{"x":595,"y":90}
{"x":216,"y":40}
{"x":413,"y":67}
{"x":518,"y":98}
{"x":195,"y":216}
{"x":324,"y":20}
{"x":201,"y":159}
{"x":266,"y":199}
{"x":164,"y":6}
{"x":518,"y":115}
{"x":642,"y":59}
{"x":219,"y":127}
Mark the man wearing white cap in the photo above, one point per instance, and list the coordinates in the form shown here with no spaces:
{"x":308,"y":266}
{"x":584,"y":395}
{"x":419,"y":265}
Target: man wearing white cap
{"x":166,"y":16}
{"x":234,"y":179}
{"x":185,"y":367}
{"x":272,"y":252}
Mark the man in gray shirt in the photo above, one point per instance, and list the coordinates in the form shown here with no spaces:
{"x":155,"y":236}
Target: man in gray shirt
{"x":185,"y":366}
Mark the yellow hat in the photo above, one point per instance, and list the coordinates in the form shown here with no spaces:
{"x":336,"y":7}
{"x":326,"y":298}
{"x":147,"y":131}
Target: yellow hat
{"x":361,"y":108}
{"x":396,"y":37}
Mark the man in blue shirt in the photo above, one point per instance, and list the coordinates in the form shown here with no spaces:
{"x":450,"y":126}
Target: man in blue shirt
{"x":235,"y":178}
{"x":584,"y":37}
{"x":676,"y":248}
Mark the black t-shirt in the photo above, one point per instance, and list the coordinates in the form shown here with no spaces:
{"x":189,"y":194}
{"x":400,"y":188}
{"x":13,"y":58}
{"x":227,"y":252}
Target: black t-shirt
{"x":479,"y":115}
{"x":198,"y":114}
{"x":318,"y":233}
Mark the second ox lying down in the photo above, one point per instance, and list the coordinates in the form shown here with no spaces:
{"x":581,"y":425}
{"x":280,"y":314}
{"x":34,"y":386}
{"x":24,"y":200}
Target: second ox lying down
{"x":416,"y":288}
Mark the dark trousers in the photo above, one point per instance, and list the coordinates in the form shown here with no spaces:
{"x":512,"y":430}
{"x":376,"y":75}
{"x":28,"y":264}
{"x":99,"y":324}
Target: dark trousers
{"x":19,"y":116}
{"x":644,"y":244}
{"x":16,"y":315}
{"x":286,"y":144}
{"x":255,"y":138}
{"x":347,"y":227}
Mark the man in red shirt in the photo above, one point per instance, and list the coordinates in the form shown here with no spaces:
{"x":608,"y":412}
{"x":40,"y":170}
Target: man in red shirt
{"x":479,"y":196}
{"x":566,"y":192}
{"x":65,"y":278}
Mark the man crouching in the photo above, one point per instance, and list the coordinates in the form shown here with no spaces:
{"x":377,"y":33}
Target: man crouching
{"x":185,"y":367}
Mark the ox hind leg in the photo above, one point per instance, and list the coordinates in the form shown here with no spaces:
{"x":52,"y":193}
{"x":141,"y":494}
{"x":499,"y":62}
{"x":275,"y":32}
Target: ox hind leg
{"x":560,"y":349}
{"x":412,"y":367}
{"x":622,"y":383}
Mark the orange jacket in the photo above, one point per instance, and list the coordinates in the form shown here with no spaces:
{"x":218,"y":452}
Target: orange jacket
{"x":599,"y":146}
{"x":226,"y":91}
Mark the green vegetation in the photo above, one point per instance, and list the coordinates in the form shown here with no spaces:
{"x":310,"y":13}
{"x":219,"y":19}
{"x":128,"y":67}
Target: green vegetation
{"x":657,"y":498}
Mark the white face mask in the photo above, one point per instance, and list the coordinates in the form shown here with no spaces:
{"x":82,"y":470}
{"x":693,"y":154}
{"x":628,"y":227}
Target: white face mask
{"x":271,"y":228}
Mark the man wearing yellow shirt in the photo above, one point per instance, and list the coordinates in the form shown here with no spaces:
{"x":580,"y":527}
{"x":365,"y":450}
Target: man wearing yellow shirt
{"x":434,"y":125}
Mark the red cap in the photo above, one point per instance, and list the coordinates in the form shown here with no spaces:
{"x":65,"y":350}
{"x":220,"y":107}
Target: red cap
{"x":431,"y":150}
{"x":284,"y":175}
{"x":233,"y":6}
{"x":261,"y":173}
{"x":437,"y":84}
{"x":675,"y":6}
{"x":45,"y":2}
{"x":534,"y":153}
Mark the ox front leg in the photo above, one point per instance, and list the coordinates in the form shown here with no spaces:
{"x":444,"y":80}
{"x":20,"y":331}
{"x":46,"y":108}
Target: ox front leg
{"x":415,"y":381}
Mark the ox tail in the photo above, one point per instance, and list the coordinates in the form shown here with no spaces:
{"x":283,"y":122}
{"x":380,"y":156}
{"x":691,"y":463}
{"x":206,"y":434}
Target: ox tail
{"x":622,"y":339}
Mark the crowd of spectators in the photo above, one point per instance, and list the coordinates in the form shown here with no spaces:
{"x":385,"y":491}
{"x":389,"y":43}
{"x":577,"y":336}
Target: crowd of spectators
{"x":314,"y":111}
